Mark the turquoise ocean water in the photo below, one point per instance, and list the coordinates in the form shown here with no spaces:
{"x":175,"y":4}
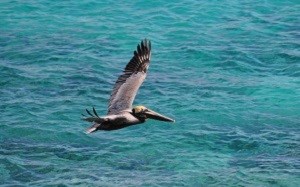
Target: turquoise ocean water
{"x":227,"y":71}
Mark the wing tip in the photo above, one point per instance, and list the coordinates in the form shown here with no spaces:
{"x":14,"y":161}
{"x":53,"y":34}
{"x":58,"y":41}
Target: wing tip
{"x":141,"y":57}
{"x":146,"y":44}
{"x":143,"y":51}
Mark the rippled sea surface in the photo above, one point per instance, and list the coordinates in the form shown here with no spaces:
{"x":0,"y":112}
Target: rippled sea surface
{"x":227,"y":71}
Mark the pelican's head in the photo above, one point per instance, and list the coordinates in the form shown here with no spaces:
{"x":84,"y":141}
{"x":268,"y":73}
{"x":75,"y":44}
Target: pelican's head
{"x":143,"y":113}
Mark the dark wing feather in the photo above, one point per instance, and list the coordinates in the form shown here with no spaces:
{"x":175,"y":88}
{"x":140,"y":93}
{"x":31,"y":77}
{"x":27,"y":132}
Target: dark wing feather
{"x":128,"y":83}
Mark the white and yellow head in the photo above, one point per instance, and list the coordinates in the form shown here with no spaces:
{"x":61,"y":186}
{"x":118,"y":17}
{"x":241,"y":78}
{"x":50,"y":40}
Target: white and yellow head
{"x":138,"y":109}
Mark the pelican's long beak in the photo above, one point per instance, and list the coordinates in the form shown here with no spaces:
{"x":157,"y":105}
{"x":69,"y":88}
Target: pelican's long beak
{"x":154,"y":115}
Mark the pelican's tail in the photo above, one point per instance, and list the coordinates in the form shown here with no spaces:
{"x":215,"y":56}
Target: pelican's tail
{"x":92,"y":128}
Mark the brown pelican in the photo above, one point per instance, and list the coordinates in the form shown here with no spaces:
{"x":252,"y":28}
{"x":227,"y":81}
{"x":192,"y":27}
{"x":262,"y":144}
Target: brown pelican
{"x":120,"y":111}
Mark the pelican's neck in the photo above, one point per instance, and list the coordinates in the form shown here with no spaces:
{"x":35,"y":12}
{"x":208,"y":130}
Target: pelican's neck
{"x":142,"y":118}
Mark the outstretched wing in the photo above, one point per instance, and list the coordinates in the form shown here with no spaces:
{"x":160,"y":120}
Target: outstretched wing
{"x":128,"y":83}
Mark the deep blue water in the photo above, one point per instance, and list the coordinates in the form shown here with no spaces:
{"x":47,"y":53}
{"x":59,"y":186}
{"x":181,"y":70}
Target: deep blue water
{"x":227,"y":71}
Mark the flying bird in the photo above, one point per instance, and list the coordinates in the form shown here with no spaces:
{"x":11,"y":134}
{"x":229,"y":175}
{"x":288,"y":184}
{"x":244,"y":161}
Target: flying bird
{"x":120,"y":111}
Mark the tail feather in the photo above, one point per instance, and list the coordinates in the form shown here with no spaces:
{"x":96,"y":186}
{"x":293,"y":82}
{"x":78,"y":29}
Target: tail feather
{"x":93,"y":128}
